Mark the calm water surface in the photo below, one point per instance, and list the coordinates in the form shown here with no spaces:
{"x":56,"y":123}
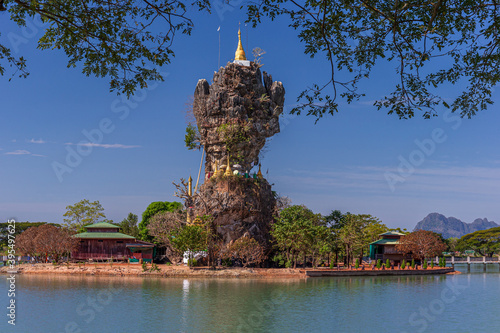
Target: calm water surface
{"x":453,"y":303}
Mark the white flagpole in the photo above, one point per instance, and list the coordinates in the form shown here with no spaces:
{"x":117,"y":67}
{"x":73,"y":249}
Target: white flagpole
{"x":246,"y":28}
{"x":218,"y":63}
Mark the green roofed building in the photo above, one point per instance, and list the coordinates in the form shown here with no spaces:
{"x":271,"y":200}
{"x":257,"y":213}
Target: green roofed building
{"x":103,"y":241}
{"x":385,"y":247}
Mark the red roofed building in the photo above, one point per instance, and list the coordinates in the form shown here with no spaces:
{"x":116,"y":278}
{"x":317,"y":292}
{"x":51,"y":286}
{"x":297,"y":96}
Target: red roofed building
{"x":103,"y":241}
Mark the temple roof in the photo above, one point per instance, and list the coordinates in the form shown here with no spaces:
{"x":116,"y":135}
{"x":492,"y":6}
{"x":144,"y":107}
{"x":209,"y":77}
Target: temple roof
{"x":392,"y":233}
{"x":385,"y":241}
{"x":102,"y":225}
{"x":103,"y":235}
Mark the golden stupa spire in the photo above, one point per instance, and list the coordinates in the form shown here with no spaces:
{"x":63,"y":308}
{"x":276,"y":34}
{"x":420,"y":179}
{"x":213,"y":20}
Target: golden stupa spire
{"x":216,"y":171}
{"x":229,"y":172}
{"x":240,"y":53}
{"x":259,"y":174}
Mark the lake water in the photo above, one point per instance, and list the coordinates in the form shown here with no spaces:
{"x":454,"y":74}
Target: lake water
{"x":452,"y":303}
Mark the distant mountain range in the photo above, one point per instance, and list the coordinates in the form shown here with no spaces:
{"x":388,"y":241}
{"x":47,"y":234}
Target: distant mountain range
{"x":452,"y":227}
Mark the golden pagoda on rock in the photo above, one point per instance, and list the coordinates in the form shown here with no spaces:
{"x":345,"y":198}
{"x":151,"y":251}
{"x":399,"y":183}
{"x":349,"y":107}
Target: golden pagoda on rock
{"x":240,"y":53}
{"x":239,"y":56}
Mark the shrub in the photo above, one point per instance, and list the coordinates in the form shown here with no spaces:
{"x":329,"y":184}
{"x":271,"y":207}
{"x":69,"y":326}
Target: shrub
{"x":432,"y":264}
{"x":388,"y":264}
{"x":424,"y":264}
{"x":403,"y":264}
{"x":442,"y":262}
{"x":192,"y":262}
{"x":279,"y":260}
{"x":331,"y":264}
{"x":144,"y":266}
{"x":408,"y":265}
{"x":412,"y":263}
{"x":379,"y":263}
{"x":356,"y":265}
{"x":227,"y":262}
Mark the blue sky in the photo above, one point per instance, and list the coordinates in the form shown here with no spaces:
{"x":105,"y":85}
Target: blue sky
{"x":360,"y":160}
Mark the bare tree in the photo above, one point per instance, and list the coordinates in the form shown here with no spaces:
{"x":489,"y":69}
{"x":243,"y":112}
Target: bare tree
{"x":258,"y":53}
{"x":47,"y":241}
{"x":282,"y":202}
{"x":161,"y":226}
{"x":25,"y":242}
{"x":248,"y":250}
{"x":54,"y":242}
{"x":421,"y":244}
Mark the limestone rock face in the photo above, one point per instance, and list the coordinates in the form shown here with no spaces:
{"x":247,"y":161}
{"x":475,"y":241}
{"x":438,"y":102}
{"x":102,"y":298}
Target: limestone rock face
{"x":235,"y":115}
{"x":241,"y":100}
{"x":240,"y":207}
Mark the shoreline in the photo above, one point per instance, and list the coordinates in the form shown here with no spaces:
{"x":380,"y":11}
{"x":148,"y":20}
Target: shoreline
{"x":135,"y":270}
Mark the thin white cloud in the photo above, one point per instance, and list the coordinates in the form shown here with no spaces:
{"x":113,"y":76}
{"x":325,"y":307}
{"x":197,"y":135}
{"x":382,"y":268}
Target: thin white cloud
{"x":23,"y":152}
{"x":103,"y":145}
{"x":39,"y":141}
{"x":18,"y":152}
{"x":435,"y":182}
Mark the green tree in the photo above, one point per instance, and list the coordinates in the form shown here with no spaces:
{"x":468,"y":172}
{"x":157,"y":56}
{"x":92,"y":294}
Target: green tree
{"x":351,"y":236}
{"x":335,"y":219}
{"x":192,"y":238}
{"x":353,"y":36}
{"x":153,"y":209}
{"x":357,"y":232}
{"x":192,"y":138}
{"x":129,"y":225}
{"x":298,"y":232}
{"x":83,"y":213}
{"x":485,"y":242}
{"x":127,"y":41}
{"x":451,"y":243}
